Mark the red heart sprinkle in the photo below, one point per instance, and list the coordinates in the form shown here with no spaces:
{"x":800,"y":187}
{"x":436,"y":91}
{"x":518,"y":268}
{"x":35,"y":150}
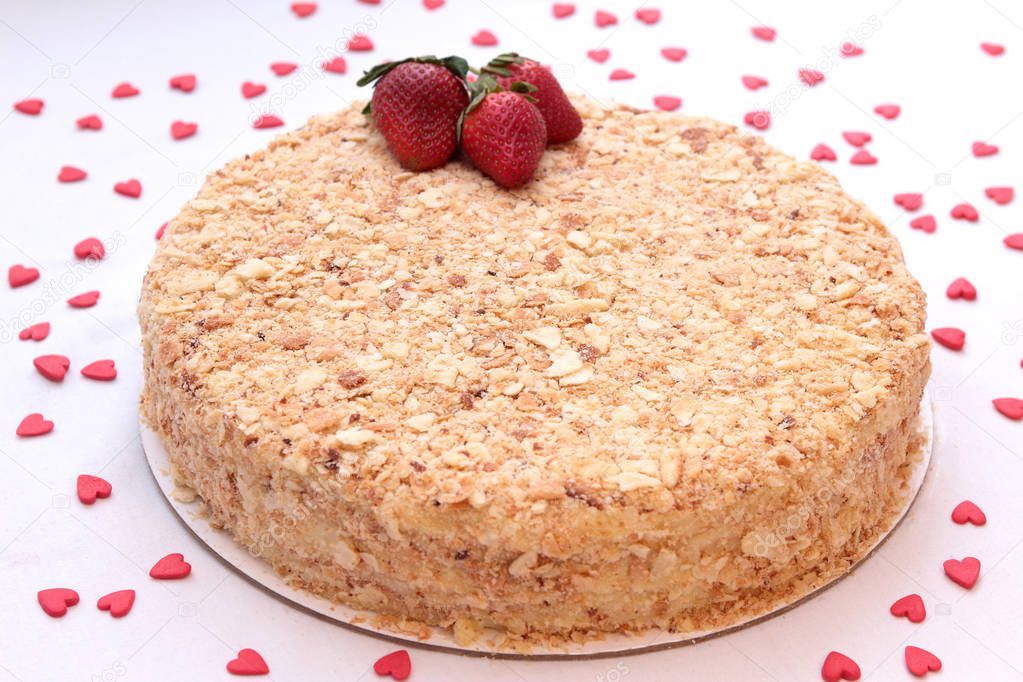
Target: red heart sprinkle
{"x":19,"y":275}
{"x":484,"y":38}
{"x":963,"y":573}
{"x":961,"y":288}
{"x":181,"y":129}
{"x":839,"y":667}
{"x":396,"y":664}
{"x":560,"y":10}
{"x":984,"y":149}
{"x":889,"y":111}
{"x":950,"y":337}
{"x":185,"y":82}
{"x":621,"y":75}
{"x":1010,"y":407}
{"x":124,"y":90}
{"x":823,"y":152}
{"x":100,"y":370}
{"x":863,"y":158}
{"x":761,"y":120}
{"x":90,"y":247}
{"x":1014,"y":241}
{"x":249,"y":662}
{"x":811,"y":77}
{"x":857,"y":138}
{"x":130,"y":188}
{"x":911,"y":606}
{"x":32,"y":107}
{"x":159,"y":232}
{"x":91,"y":488}
{"x":965,"y":211}
{"x":850,"y":49}
{"x":250,"y":89}
{"x":754,"y":82}
{"x":36,"y":332}
{"x":86,"y":300}
{"x":667,"y":102}
{"x":171,"y":567}
{"x":335,"y":65}
{"x":433,"y":4}
{"x":993,"y":49}
{"x":71,"y":174}
{"x":968,"y":512}
{"x":674,"y":54}
{"x":604,"y":19}
{"x":920,"y":661}
{"x":360,"y":43}
{"x":910,"y":201}
{"x":648,"y":15}
{"x":599,"y":56}
{"x":90,"y":122}
{"x":927,"y":223}
{"x":34,"y":425}
{"x":118,"y":603}
{"x":56,"y":600}
{"x":303,"y":9}
{"x":1000,"y":195}
{"x":763,"y":33}
{"x":283,"y":68}
{"x":53,"y":367}
{"x":267,"y":121}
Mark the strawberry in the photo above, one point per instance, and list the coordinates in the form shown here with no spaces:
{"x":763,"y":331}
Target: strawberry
{"x":503,"y":132}
{"x":563,"y":121}
{"x":416,"y":104}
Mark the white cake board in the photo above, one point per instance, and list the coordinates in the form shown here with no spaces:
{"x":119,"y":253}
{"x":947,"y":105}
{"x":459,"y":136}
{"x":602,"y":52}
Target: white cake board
{"x":358,"y":623}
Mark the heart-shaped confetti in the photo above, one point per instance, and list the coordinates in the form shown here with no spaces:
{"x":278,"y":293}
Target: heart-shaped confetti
{"x":171,"y":567}
{"x":993,"y":49}
{"x":303,"y":9}
{"x":963,"y":573}
{"x":129,"y":188}
{"x":604,"y":19}
{"x":648,"y":15}
{"x":336,"y":65}
{"x":90,"y":122}
{"x":360,"y":43}
{"x":754,"y":82}
{"x":124,"y":90}
{"x":32,"y":107}
{"x":484,"y":38}
{"x":433,"y":4}
{"x":397,"y":664}
{"x":90,"y":247}
{"x":838,"y":666}
{"x":889,"y":111}
{"x":180,"y":130}
{"x":56,"y":600}
{"x":35,"y":332}
{"x":1000,"y":195}
{"x":674,"y":54}
{"x":118,"y":603}
{"x":86,"y":300}
{"x":950,"y":337}
{"x":965,"y":211}
{"x":1014,"y":241}
{"x":667,"y":102}
{"x":857,"y":138}
{"x":185,"y":82}
{"x":925,"y":223}
{"x":811,"y":77}
{"x":1009,"y":407}
{"x":983,"y":149}
{"x":283,"y":68}
{"x":961,"y":288}
{"x":863,"y":158}
{"x":920,"y":661}
{"x":18,"y":275}
{"x":823,"y":152}
{"x":90,"y":488}
{"x":250,"y":89}
{"x":761,"y":120}
{"x":100,"y":370}
{"x":159,"y":232}
{"x":911,"y":606}
{"x":267,"y":121}
{"x":53,"y":367}
{"x":34,"y":425}
{"x":910,"y":201}
{"x":248,"y":662}
{"x":763,"y":33}
{"x":71,"y":174}
{"x":968,"y":512}
{"x":599,"y":56}
{"x":621,"y":75}
{"x":561,"y":10}
{"x":849,"y":49}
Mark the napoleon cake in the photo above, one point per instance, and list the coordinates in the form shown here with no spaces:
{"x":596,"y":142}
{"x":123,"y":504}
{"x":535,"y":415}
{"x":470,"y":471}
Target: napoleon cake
{"x":673,"y":382}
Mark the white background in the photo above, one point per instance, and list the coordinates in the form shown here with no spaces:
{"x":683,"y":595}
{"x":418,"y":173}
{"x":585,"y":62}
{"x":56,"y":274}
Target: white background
{"x":921,"y":54}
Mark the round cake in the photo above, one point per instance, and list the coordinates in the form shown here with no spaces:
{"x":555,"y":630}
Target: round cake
{"x":671,"y":383}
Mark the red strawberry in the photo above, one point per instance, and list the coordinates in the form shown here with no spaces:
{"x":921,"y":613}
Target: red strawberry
{"x":416,"y":104}
{"x":503,"y":133}
{"x":562,"y":120}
